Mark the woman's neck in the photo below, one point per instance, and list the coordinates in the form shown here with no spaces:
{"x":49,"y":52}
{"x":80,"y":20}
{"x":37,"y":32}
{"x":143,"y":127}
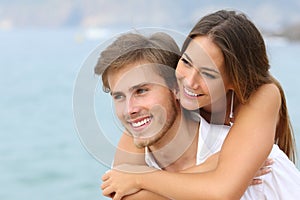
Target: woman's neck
{"x":219,"y":112}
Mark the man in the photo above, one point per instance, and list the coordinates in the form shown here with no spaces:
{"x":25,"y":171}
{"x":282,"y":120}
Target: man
{"x":142,"y":82}
{"x":139,"y":73}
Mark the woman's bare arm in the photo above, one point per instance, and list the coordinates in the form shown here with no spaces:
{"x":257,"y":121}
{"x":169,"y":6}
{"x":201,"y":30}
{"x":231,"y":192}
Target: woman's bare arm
{"x":128,"y":153}
{"x":144,"y":194}
{"x":246,"y":147}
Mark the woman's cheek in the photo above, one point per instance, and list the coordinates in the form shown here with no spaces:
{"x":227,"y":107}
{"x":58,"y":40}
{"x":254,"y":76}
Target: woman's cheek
{"x":178,"y":74}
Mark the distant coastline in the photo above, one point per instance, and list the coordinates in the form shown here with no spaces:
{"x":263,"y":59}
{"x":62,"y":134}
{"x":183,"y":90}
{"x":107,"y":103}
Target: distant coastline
{"x":291,"y":32}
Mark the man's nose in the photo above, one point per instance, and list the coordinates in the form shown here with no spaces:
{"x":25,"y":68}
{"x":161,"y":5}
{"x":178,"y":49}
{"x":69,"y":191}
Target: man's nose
{"x":132,"y":106}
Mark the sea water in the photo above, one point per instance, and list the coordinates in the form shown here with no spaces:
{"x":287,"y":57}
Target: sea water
{"x":41,"y":155}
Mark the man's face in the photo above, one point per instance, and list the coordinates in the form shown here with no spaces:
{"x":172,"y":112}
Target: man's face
{"x":144,"y":104}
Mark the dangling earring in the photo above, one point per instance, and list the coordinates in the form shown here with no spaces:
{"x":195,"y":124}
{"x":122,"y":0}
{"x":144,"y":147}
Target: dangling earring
{"x":231,"y":115}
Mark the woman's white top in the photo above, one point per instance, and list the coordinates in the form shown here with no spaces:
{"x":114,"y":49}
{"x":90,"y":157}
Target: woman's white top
{"x":282,"y":183}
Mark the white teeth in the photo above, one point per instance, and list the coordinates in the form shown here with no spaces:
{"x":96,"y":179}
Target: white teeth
{"x":140,"y":123}
{"x":190,"y":93}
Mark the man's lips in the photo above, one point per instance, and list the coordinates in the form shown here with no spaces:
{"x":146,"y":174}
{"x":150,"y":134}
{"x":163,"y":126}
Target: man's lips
{"x":137,"y":123}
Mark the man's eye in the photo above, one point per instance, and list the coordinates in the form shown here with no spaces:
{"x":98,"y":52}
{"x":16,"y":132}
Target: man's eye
{"x":118,"y":97}
{"x":141,"y":91}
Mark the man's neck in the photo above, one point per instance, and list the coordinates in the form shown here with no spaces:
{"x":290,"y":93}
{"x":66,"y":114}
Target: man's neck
{"x":178,"y":149}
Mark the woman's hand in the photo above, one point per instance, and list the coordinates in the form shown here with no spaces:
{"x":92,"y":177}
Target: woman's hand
{"x":123,"y":180}
{"x":117,"y":184}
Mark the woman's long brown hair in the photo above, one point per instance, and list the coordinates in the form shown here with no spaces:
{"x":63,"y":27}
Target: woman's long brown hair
{"x":246,"y":64}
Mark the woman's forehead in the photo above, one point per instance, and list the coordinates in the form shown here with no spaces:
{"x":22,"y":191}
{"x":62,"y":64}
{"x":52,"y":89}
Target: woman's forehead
{"x":204,"y":52}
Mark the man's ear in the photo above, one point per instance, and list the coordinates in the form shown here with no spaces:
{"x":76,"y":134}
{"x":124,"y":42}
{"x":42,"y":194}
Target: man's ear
{"x":176,"y":92}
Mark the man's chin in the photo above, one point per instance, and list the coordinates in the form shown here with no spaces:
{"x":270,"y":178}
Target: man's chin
{"x":139,"y":143}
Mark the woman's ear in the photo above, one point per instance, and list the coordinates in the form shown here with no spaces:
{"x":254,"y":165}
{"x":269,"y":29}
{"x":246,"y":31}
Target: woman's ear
{"x":230,"y":87}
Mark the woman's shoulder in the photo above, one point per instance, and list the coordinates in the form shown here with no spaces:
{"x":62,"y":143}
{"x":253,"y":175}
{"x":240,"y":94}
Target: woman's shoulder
{"x":266,"y":94}
{"x":264,"y":102}
{"x":269,"y":86}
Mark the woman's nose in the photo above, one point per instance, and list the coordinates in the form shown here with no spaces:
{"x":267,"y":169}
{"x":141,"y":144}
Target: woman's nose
{"x":193,"y":79}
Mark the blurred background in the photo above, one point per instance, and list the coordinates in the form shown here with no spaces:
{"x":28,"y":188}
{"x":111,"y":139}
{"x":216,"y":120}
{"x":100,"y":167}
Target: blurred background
{"x":43,"y":44}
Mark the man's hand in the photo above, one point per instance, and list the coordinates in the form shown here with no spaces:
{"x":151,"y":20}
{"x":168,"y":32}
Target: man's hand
{"x":265,"y":169}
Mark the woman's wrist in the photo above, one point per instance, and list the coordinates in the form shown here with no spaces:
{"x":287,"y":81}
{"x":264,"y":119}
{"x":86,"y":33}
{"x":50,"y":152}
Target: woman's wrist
{"x":139,"y":181}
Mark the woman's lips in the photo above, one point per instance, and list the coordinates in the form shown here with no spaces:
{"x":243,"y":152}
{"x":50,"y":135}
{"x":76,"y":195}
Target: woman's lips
{"x":190,"y":93}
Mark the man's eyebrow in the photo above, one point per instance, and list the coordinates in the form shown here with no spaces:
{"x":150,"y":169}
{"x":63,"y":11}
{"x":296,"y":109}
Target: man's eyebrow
{"x":203,"y":68}
{"x":139,"y":86}
{"x":112,"y":93}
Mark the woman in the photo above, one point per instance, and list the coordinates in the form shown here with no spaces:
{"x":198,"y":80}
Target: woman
{"x":256,"y":105}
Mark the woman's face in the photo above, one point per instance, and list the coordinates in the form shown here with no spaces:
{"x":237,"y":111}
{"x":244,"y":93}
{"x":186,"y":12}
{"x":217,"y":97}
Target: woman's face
{"x":201,"y":76}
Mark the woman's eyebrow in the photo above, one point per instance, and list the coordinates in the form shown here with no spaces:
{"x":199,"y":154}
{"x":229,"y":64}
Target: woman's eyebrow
{"x":203,"y":68}
{"x":187,"y":57}
{"x":210,"y":69}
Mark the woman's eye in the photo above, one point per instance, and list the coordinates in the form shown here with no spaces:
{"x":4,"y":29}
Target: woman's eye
{"x":208,"y":75}
{"x":185,"y":61}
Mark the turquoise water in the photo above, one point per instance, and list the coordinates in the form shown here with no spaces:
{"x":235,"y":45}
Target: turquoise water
{"x":41,"y":155}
